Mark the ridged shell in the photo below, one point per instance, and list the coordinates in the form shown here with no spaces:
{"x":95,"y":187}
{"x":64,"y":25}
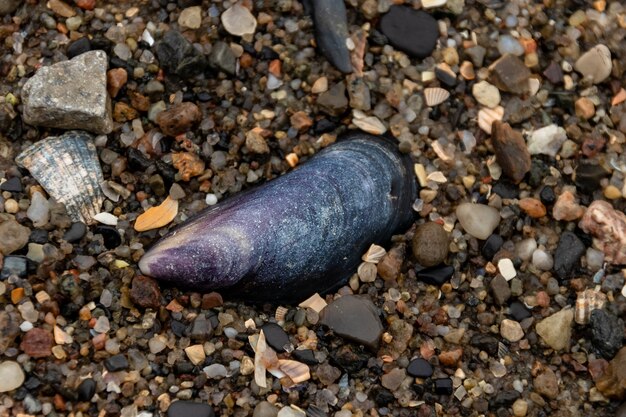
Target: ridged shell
{"x":299,"y":234}
{"x":586,"y":302}
{"x":374,"y":254}
{"x":487,"y":116}
{"x":67,"y":167}
{"x":434,"y":96}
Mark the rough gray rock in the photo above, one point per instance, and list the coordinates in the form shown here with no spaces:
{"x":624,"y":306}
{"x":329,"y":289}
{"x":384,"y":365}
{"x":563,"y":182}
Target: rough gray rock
{"x":70,"y":95}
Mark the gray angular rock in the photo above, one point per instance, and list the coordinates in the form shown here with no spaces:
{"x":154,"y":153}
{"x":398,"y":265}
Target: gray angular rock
{"x":9,"y":6}
{"x":354,"y":318}
{"x":70,"y":95}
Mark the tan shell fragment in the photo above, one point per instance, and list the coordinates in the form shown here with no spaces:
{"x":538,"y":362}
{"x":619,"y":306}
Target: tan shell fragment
{"x":374,"y":254}
{"x":608,"y":228}
{"x":67,"y":167}
{"x":586,"y":302}
{"x":314,"y":302}
{"x":434,"y":96}
{"x":158,"y":216}
{"x":297,"y":371}
{"x":487,"y":116}
{"x":281,"y":313}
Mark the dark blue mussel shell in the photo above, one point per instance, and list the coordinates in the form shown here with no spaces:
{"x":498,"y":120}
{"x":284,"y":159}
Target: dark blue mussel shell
{"x":301,"y":233}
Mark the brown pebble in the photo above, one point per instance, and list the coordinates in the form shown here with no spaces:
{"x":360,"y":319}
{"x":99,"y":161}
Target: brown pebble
{"x":430,"y":244}
{"x":61,"y":8}
{"x":533,"y":207}
{"x":37,"y":343}
{"x":188,"y":165}
{"x":547,"y":384}
{"x":86,"y":4}
{"x":300,"y":120}
{"x":543,"y":299}
{"x":116,"y":79}
{"x":179,"y":118}
{"x":451,"y":357}
{"x":255,"y":141}
{"x":584,"y":108}
{"x":389,"y":266}
{"x":511,"y":151}
{"x":122,"y":112}
{"x":17,"y":294}
{"x":510,"y":74}
{"x":139,"y":101}
{"x":211,"y":300}
{"x":145,"y":292}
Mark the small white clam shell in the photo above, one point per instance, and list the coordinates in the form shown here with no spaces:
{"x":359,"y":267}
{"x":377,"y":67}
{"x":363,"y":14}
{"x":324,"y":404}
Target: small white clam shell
{"x":434,"y":96}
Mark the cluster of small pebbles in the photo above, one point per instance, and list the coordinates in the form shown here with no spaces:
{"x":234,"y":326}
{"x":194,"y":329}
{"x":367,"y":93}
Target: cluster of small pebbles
{"x":506,"y":297}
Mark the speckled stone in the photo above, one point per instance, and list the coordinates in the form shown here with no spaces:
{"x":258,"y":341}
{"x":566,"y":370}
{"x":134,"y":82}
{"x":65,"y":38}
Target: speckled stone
{"x":70,"y":95}
{"x":430,"y":244}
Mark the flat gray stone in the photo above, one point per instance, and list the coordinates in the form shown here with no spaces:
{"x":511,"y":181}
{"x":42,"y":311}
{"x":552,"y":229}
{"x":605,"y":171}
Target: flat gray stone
{"x":354,"y":318}
{"x":70,"y":95}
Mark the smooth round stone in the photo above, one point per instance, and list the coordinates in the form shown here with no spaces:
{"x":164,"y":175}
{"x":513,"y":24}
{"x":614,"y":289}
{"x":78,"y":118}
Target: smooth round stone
{"x":265,"y":409}
{"x":238,"y":20}
{"x":542,"y":260}
{"x":11,"y":376}
{"x":486,"y":94}
{"x":478,"y":220}
{"x":419,"y":368}
{"x":412,"y":31}
{"x":595,"y":259}
{"x":595,"y":64}
{"x":525,"y":248}
{"x":507,"y":44}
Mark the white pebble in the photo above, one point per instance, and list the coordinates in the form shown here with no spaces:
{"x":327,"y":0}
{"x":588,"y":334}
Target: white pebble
{"x":478,"y":220}
{"x":507,"y":44}
{"x":542,"y":260}
{"x":211,"y":199}
{"x":39,"y":210}
{"x":595,"y":259}
{"x":525,"y":248}
{"x":26,"y":326}
{"x":547,"y":140}
{"x":106,"y":218}
{"x":216,"y":370}
{"x":11,"y":376}
{"x":507,"y":269}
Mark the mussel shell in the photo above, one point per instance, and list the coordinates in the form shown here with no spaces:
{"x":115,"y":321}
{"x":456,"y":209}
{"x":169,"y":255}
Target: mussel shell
{"x":297,"y":235}
{"x":331,"y":32}
{"x":67,"y":167}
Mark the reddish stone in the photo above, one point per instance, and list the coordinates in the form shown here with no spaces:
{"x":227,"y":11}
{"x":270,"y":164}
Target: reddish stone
{"x":211,"y":300}
{"x":597,"y":368}
{"x":124,"y":113}
{"x":300,"y":120}
{"x":188,"y":165}
{"x":116,"y":79}
{"x":451,"y":357}
{"x":179,"y":118}
{"x":37,"y":343}
{"x":533,"y":207}
{"x":139,"y":101}
{"x":511,"y":151}
{"x":592,"y":145}
{"x":86,"y":4}
{"x":145,"y":292}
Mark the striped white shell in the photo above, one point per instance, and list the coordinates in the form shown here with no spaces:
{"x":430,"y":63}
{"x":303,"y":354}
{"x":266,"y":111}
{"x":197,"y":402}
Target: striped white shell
{"x":67,"y":167}
{"x":435,"y":96}
{"x":586,"y":302}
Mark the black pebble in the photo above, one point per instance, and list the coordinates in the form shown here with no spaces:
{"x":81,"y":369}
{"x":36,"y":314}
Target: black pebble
{"x":568,"y":253}
{"x":436,"y":275}
{"x":485,"y":342}
{"x":178,"y":56}
{"x":189,"y":409}
{"x":412,"y":31}
{"x":13,"y":185}
{"x":203,"y":96}
{"x":268,"y":54}
{"x":102,"y":43}
{"x":443,"y":386}
{"x":306,"y":356}
{"x":447,"y":78}
{"x":78,"y":47}
{"x":178,"y":328}
{"x":38,"y":236}
{"x":518,"y":311}
{"x":276,"y":337}
{"x":86,"y":389}
{"x":324,"y":126}
{"x":382,"y":396}
{"x":492,"y":246}
{"x":419,"y":368}
{"x":588,"y":177}
{"x":547,"y":195}
{"x":116,"y":363}
{"x":14,"y":265}
{"x":136,"y":160}
{"x":75,"y":232}
{"x":607,"y":332}
{"x":183,"y":368}
{"x":112,"y":238}
{"x":506,"y":189}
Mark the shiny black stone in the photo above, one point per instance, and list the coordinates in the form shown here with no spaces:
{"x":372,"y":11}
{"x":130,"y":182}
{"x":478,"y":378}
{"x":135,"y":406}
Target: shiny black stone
{"x":305,"y":356}
{"x":419,"y":368}
{"x":568,"y":253}
{"x":492,"y":246}
{"x":412,"y":31}
{"x":78,"y":47}
{"x":518,"y":311}
{"x":443,"y":386}
{"x":382,"y":396}
{"x":435,"y":275}
{"x":38,"y":236}
{"x":86,"y":389}
{"x":547,"y":195}
{"x":588,"y":177}
{"x":276,"y":337}
{"x":485,"y":342}
{"x":111,"y":236}
{"x":116,"y":363}
{"x":607,"y":332}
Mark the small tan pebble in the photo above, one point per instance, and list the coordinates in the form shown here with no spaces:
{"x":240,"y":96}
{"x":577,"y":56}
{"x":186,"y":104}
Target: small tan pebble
{"x":238,"y":20}
{"x":320,"y":85}
{"x":11,"y":206}
{"x":191,"y":17}
{"x":196,"y":354}
{"x":486,"y":94}
{"x":122,"y":112}
{"x":116,"y":79}
{"x":300,"y":120}
{"x":188,"y":165}
{"x":520,"y":407}
{"x":511,"y":330}
{"x":467,"y":70}
{"x":595,"y":64}
{"x":450,"y":55}
{"x":619,"y":98}
{"x":507,"y":269}
{"x":612,"y":192}
{"x":608,"y":227}
{"x":584,"y":108}
{"x":566,"y":208}
{"x":61,"y":8}
{"x":533,"y":207}
{"x":292,"y":159}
